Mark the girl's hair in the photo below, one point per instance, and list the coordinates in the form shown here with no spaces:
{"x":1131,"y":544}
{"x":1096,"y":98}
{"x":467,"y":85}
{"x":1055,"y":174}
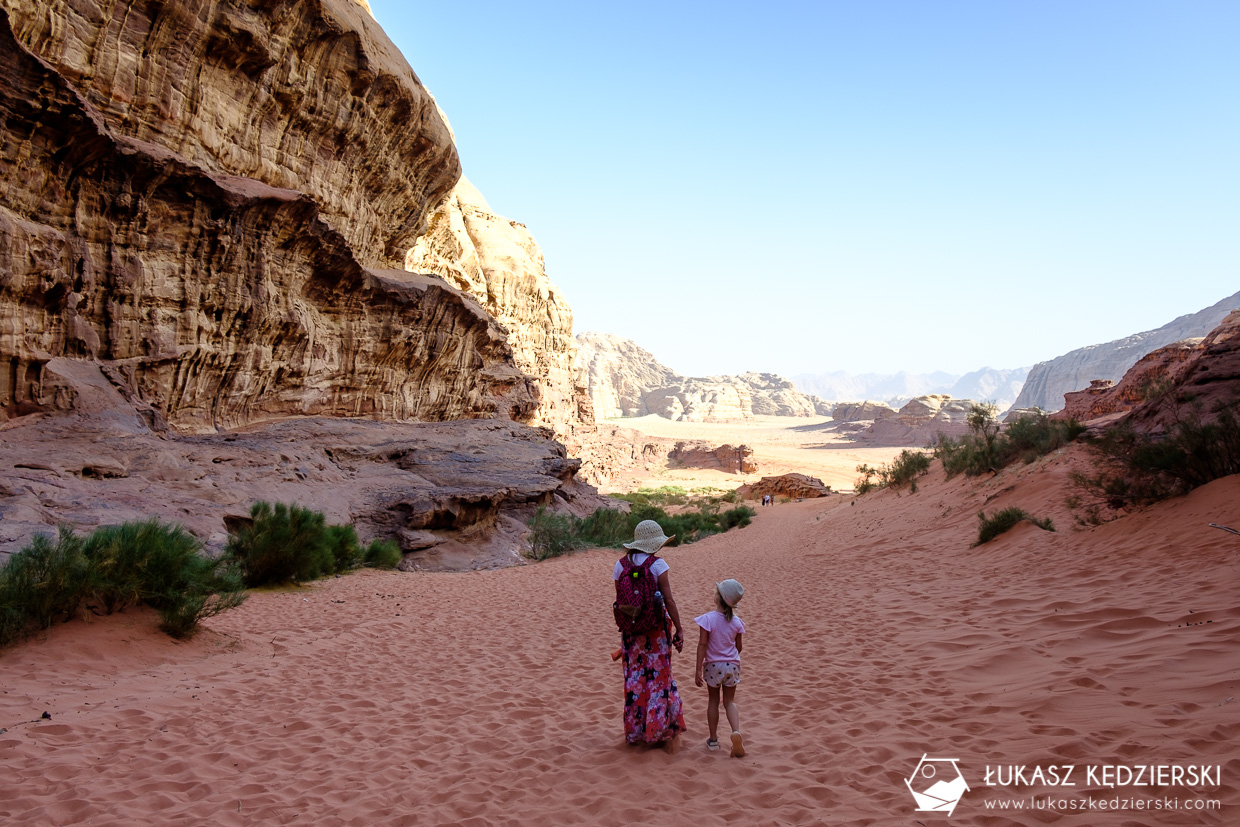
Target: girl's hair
{"x":724,"y":608}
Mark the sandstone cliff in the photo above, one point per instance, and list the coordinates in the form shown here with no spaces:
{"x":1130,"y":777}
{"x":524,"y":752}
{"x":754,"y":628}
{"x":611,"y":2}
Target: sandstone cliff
{"x":211,"y":204}
{"x":1049,"y":381}
{"x":204,"y":225}
{"x":626,"y":380}
{"x":498,"y":263}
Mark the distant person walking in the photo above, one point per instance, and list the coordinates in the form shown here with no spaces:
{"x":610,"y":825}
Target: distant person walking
{"x":643,"y":607}
{"x":719,"y":661}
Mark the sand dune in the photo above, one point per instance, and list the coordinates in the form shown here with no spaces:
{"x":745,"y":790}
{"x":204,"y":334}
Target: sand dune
{"x":876,"y":635}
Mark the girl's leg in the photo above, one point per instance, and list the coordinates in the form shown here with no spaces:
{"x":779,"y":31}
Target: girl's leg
{"x":729,"y":707}
{"x":712,"y":711}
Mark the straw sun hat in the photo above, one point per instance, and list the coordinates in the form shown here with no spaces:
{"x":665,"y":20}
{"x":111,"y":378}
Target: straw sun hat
{"x":731,"y":591}
{"x":648,"y":536}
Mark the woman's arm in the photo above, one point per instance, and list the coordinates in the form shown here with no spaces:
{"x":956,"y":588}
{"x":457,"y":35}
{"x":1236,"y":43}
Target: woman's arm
{"x":665,"y":586}
{"x":703,"y":639}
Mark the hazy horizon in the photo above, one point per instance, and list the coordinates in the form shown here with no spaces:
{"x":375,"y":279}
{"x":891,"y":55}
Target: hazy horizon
{"x":871,"y":188}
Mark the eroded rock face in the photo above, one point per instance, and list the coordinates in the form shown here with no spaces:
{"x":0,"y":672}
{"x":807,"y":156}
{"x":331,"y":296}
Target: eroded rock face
{"x":795,"y":486}
{"x":859,"y":411}
{"x":1205,"y":383}
{"x":1152,"y":374}
{"x":164,"y":240}
{"x":922,"y":420}
{"x":737,"y":459}
{"x":498,"y":263}
{"x":626,"y":380}
{"x":454,"y":494}
{"x":1049,"y":381}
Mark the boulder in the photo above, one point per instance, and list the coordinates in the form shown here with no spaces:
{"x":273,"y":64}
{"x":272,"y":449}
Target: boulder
{"x":795,"y":486}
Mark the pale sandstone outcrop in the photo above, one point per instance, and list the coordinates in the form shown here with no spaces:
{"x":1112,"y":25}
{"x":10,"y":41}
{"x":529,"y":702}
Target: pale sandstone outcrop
{"x":734,"y":458}
{"x":922,"y":420}
{"x":859,"y":411}
{"x":626,"y":380}
{"x":1049,"y":381}
{"x":497,"y":261}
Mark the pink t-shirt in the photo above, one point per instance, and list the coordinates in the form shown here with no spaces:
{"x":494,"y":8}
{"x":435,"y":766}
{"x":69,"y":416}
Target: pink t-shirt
{"x":721,"y":645}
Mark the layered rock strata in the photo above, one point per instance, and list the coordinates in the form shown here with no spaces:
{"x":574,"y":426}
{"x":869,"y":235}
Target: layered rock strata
{"x":455,"y":495}
{"x":1198,"y":382}
{"x":1153,"y":373}
{"x":626,"y":380}
{"x":922,"y":420}
{"x":1049,"y":381}
{"x":216,"y":266}
{"x":498,"y":263}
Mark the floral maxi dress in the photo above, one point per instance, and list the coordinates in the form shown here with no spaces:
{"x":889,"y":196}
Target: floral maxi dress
{"x":652,"y":709}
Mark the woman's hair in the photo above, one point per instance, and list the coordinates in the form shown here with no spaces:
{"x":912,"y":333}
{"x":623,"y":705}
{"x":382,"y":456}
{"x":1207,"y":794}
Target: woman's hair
{"x":724,"y":608}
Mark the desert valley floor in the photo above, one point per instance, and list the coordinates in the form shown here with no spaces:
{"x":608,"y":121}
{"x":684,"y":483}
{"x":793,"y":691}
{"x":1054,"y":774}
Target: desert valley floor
{"x":876,"y":635}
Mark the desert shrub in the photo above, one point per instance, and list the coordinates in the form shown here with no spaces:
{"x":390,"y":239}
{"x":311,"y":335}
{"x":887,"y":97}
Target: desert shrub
{"x":346,"y":550}
{"x":986,"y":449}
{"x":865,"y":483}
{"x":901,"y":471}
{"x":552,"y":534}
{"x":905,"y":469}
{"x":156,"y":564}
{"x":46,"y":580}
{"x":1008,"y":518}
{"x":382,"y":554}
{"x":283,"y":543}
{"x":556,"y":534}
{"x":202,"y":589}
{"x":1136,"y":469}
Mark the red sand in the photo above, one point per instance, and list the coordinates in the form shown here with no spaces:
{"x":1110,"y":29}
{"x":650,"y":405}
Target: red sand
{"x":875,"y":635}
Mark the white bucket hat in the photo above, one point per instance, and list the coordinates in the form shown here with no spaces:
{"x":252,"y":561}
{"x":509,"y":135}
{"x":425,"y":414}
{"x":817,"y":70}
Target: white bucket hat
{"x":648,"y":536}
{"x":731,"y":591}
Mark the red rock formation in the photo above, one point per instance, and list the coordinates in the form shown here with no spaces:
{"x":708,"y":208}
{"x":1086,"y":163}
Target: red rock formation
{"x":1152,"y":373}
{"x":733,"y":458}
{"x":796,"y":486}
{"x":1206,"y":384}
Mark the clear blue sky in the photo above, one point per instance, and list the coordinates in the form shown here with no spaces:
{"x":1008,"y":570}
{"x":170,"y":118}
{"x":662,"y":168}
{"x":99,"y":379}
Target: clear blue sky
{"x":860,"y":186}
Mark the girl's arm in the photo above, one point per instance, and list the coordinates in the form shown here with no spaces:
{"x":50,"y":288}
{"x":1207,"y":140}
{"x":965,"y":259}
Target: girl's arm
{"x":703,"y":638}
{"x":740,"y":644}
{"x":665,"y":586}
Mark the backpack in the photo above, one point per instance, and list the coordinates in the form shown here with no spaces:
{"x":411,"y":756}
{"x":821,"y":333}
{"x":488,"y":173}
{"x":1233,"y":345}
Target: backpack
{"x":639,"y":605}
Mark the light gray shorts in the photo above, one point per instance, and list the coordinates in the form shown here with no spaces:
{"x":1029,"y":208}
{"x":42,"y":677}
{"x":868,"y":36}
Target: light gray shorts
{"x":727,"y":673}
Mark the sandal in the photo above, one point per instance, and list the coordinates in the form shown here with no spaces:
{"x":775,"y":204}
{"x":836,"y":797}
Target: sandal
{"x":738,"y":745}
{"x":712,"y":744}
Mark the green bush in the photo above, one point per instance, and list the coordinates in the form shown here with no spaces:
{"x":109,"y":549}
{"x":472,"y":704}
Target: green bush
{"x":1136,"y":469}
{"x":382,"y":554}
{"x":556,"y":534}
{"x":347,"y":552}
{"x":1008,"y":518}
{"x":151,"y":563}
{"x":987,"y":449}
{"x":283,"y":543}
{"x":901,"y":471}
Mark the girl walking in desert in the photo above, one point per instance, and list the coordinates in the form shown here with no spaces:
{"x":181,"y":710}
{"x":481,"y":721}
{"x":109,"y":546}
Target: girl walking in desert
{"x":719,"y":661}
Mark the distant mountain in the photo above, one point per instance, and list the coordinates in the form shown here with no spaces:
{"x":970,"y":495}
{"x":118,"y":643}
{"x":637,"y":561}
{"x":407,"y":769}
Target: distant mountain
{"x":627,"y":380}
{"x":990,"y":384}
{"x":1049,"y":381}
